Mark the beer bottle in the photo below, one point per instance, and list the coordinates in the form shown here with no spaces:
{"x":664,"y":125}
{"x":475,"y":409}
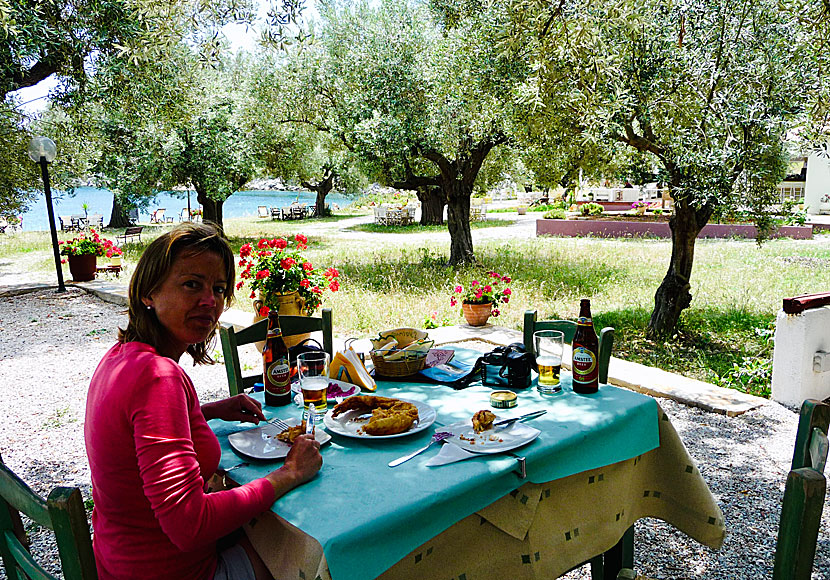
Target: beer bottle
{"x":585,"y":361}
{"x":276,"y":377}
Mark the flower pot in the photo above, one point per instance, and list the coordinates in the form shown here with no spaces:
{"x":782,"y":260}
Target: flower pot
{"x":522,"y":210}
{"x":476,"y":314}
{"x":115,"y":260}
{"x":291,"y":304}
{"x":83,"y":267}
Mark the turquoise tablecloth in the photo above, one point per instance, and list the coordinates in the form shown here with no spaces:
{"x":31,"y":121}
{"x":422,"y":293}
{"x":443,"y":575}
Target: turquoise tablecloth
{"x":368,"y":516}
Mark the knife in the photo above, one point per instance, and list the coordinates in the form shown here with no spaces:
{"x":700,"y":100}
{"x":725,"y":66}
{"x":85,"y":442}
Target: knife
{"x":533,"y":415}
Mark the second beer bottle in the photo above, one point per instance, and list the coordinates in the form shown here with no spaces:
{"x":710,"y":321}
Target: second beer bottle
{"x":275,"y":365}
{"x":585,"y":361}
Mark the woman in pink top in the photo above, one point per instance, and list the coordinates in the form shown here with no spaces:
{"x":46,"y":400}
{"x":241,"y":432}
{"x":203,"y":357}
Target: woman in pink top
{"x":149,"y":446}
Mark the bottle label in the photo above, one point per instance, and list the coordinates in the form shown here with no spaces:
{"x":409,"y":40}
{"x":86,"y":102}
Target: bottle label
{"x":277,"y":375}
{"x":584,"y":365}
{"x":584,"y":321}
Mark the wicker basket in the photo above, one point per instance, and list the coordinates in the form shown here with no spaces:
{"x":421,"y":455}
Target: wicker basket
{"x":398,"y":368}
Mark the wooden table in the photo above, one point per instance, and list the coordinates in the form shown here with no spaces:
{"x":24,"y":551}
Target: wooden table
{"x":601,"y":462}
{"x":109,"y":268}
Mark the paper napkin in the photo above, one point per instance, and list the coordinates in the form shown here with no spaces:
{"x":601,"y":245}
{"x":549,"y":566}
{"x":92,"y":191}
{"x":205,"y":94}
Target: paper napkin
{"x":450,"y":454}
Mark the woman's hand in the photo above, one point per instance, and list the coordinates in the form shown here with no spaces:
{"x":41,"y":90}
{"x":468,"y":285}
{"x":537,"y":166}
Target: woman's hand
{"x":301,"y":464}
{"x":238,"y":408}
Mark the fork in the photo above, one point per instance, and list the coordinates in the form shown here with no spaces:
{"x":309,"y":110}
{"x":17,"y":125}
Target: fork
{"x":439,"y":436}
{"x":279,"y":423}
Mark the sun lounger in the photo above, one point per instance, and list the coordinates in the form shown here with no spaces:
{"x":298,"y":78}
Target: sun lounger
{"x":263,"y":212}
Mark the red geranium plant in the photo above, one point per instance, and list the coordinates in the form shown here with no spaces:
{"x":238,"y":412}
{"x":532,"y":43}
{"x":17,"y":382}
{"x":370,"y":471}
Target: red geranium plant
{"x":491,"y":289}
{"x":276,"y":266}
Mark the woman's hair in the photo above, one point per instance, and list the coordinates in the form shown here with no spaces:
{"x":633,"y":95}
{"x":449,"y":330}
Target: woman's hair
{"x":154,"y":267}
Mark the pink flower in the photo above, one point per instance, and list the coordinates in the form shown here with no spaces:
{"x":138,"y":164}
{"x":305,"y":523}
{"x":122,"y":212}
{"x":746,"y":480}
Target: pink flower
{"x":488,"y":288}
{"x":496,"y":312}
{"x":459,"y":289}
{"x":453,"y":301}
{"x":506,"y":299}
{"x":474,"y":283}
{"x":507,"y":279}
{"x":507,"y":292}
{"x":262,"y":274}
{"x":479,"y":293}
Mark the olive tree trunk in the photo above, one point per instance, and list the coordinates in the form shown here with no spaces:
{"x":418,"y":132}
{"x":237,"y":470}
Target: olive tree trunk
{"x":458,"y":223}
{"x":211,"y":208}
{"x":432,"y":206}
{"x":119,"y":217}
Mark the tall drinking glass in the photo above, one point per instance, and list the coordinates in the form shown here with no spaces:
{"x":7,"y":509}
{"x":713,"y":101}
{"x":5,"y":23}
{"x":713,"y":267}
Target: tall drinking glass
{"x":549,"y":345}
{"x":313,"y":370}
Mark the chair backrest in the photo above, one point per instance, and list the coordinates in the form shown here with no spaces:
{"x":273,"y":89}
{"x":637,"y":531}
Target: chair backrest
{"x":63,"y":513}
{"x":803,"y":496}
{"x":290,"y":326}
{"x":568,"y":328}
{"x":66,"y":222}
{"x":262,"y":211}
{"x":96,"y":220}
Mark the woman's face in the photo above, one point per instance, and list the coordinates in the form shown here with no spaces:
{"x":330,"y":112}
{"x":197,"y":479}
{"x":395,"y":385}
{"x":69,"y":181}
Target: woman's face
{"x":189,"y":301}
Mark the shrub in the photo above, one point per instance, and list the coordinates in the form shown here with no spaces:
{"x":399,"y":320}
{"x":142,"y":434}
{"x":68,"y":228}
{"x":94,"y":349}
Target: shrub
{"x":591,"y":209}
{"x":555,"y":214}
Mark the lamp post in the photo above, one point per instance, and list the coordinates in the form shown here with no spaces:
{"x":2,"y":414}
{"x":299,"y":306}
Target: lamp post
{"x":42,"y":150}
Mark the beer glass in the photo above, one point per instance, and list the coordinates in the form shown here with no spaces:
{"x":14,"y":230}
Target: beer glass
{"x":313,"y":370}
{"x":549,"y":345}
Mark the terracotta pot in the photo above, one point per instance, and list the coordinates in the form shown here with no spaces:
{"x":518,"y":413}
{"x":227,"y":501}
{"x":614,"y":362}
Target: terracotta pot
{"x":83,"y":267}
{"x":291,"y":304}
{"x":476,"y":314}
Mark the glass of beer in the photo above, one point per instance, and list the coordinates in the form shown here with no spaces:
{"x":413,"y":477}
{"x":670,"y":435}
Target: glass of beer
{"x":313,"y":370}
{"x":549,"y":345}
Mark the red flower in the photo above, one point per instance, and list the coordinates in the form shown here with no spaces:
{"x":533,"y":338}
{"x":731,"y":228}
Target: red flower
{"x":507,"y":292}
{"x":272,"y":243}
{"x":245,"y":250}
{"x":459,"y":289}
{"x":496,"y":312}
{"x":304,"y":283}
{"x":453,"y":301}
{"x":263,"y":311}
{"x":240,"y":284}
{"x":301,"y":241}
{"x":488,"y":288}
{"x":281,"y":244}
{"x":287,"y":263}
{"x":506,"y":299}
{"x":317,"y":290}
{"x":507,"y":279}
{"x":308,"y":267}
{"x":262,"y":274}
{"x":334,"y":286}
{"x":253,"y":295}
{"x":331,"y":272}
{"x":262,"y":244}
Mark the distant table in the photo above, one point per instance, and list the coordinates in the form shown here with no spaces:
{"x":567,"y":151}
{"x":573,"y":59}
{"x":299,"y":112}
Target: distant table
{"x":109,"y":268}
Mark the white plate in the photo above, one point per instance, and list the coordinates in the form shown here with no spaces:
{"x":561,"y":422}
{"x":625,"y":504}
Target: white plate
{"x":496,"y":440}
{"x":344,"y":386}
{"x":262,"y":443}
{"x":345,"y":425}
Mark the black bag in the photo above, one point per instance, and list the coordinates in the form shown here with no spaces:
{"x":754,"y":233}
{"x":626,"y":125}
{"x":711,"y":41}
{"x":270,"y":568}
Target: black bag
{"x":507,"y":366}
{"x":308,"y":345}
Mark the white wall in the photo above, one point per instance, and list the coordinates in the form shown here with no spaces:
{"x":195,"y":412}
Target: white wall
{"x":818,"y":184}
{"x":797,"y":338}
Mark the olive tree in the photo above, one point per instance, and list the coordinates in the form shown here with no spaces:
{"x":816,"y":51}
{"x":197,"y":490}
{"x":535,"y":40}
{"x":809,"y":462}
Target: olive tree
{"x":705,"y":89}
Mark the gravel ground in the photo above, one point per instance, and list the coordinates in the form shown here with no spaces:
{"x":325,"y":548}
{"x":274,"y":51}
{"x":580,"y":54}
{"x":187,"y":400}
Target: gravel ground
{"x":51,"y":343}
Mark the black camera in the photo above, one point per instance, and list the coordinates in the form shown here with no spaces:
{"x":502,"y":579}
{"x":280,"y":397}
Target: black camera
{"x":507,"y":366}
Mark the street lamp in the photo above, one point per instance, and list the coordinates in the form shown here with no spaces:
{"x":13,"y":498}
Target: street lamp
{"x":42,"y":150}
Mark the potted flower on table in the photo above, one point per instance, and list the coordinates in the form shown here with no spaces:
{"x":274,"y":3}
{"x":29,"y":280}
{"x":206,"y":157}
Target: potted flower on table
{"x":283,"y":280}
{"x":480,"y":298}
{"x":82,"y":254}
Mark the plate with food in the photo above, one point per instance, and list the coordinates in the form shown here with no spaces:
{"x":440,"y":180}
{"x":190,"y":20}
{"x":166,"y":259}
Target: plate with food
{"x":480,"y":436}
{"x":372,"y":417}
{"x":271,"y":442}
{"x":336,"y":391}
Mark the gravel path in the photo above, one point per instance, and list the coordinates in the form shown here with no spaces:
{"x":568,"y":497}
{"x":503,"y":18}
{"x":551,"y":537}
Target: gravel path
{"x":51,"y":343}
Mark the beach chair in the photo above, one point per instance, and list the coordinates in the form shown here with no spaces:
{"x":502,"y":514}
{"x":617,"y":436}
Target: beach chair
{"x":157,"y":217}
{"x":78,"y":222}
{"x":290,"y":326}
{"x":568,"y":328}
{"x":276,"y":213}
{"x":262,"y":211}
{"x":184,"y":216}
{"x":803,"y":496}
{"x":62,"y":512}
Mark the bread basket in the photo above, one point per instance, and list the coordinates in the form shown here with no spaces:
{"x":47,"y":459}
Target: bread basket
{"x":400,"y":352}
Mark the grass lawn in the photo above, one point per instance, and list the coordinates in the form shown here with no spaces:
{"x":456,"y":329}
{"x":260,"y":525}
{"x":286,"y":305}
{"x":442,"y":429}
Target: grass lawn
{"x":419,"y":229}
{"x":725,"y":337}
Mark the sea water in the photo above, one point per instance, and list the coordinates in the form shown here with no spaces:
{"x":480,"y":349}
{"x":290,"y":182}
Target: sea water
{"x":99,"y":201}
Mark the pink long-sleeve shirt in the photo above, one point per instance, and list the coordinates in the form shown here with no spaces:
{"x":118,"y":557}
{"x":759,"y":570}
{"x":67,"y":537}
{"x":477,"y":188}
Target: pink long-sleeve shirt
{"x":151,"y":453}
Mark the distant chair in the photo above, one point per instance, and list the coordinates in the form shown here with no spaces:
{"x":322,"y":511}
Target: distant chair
{"x":78,"y":221}
{"x":262,"y":211}
{"x":276,"y":213}
{"x":185,"y":215}
{"x":157,"y":217}
{"x":66,"y":223}
{"x":380,"y":215}
{"x":96,"y":220}
{"x":132,"y":216}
